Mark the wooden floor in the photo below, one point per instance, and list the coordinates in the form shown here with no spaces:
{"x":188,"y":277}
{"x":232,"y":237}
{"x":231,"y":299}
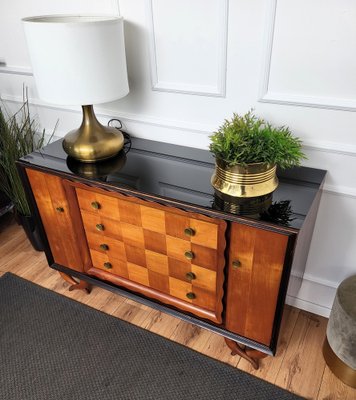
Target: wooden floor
{"x":298,"y":366}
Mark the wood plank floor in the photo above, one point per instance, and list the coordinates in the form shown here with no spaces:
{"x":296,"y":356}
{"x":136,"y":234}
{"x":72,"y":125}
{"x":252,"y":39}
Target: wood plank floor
{"x":298,"y":366}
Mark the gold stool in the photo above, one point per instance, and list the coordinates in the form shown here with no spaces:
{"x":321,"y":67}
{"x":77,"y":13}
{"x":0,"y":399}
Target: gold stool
{"x":340,"y":343}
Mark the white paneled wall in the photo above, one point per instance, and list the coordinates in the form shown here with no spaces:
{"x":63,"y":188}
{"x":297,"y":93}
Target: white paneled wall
{"x":193,"y":63}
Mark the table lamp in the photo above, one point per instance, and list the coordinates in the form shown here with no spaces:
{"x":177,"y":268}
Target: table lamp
{"x":80,"y":60}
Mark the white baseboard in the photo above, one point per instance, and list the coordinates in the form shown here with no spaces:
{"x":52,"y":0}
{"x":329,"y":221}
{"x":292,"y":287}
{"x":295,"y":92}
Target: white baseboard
{"x":315,"y":295}
{"x":308,"y":306}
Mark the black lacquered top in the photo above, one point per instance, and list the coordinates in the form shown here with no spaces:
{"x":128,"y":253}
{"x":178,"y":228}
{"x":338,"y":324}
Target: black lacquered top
{"x":183,"y":174}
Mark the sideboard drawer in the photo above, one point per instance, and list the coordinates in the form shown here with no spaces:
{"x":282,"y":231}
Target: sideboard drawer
{"x":159,"y":251}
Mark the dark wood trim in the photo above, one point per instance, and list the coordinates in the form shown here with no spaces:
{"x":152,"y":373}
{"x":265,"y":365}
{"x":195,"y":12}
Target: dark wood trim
{"x":34,"y":210}
{"x":287,"y":266}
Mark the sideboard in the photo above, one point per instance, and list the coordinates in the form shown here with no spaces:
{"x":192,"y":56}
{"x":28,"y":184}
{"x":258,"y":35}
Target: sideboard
{"x":148,"y":225}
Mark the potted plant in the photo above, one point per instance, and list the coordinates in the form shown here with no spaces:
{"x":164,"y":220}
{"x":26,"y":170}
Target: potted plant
{"x":247,"y":151}
{"x":19,"y":136}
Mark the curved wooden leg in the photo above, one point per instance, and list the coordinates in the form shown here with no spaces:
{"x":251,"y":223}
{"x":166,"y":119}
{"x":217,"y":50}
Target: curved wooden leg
{"x":76,"y":285}
{"x":251,"y":355}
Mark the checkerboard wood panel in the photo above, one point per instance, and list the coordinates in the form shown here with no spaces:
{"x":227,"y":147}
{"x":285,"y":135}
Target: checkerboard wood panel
{"x":148,"y":245}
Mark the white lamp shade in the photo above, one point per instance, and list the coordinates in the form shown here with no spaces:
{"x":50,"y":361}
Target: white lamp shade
{"x":77,"y":60}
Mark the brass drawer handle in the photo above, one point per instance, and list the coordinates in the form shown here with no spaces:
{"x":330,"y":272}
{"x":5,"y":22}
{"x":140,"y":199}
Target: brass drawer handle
{"x":190,"y":276}
{"x":59,"y":209}
{"x":104,"y":246}
{"x":100,"y":227}
{"x":107,"y":265}
{"x":236,"y":264}
{"x":95,"y":205}
{"x":189,"y":231}
{"x":191,"y":296}
{"x":189,"y":255}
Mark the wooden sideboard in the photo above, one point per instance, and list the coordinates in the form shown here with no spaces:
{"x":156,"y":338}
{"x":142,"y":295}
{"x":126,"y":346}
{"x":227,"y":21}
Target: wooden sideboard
{"x":149,"y":226}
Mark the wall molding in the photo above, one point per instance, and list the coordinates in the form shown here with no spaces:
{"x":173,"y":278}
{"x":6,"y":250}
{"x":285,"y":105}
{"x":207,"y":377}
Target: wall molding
{"x":268,"y":96}
{"x":14,"y":70}
{"x":336,"y":190}
{"x":330,"y":147}
{"x":205,"y":129}
{"x":218,"y":90}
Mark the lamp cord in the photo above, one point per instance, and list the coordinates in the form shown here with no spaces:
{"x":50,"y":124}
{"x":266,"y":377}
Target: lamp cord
{"x":127,"y":137}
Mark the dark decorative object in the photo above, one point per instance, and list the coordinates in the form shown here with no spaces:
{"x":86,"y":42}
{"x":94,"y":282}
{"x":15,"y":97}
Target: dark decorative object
{"x":31,"y":229}
{"x":5,"y":204}
{"x":280,"y":212}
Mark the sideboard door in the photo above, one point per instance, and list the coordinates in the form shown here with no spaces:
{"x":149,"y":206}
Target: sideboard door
{"x":53,"y":205}
{"x":256,"y":262}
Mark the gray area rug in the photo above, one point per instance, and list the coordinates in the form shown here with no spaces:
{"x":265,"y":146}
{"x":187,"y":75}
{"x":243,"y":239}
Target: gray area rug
{"x":52,"y":347}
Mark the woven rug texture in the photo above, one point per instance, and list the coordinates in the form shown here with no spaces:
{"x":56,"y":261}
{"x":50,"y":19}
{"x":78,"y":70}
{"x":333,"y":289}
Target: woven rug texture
{"x":52,"y":347}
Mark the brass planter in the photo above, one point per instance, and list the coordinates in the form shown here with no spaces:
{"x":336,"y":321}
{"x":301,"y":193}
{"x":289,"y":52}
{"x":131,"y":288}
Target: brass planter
{"x":250,"y":180}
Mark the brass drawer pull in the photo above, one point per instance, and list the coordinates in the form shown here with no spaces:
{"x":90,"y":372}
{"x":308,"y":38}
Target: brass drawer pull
{"x":107,"y":265}
{"x":104,"y":246}
{"x":191,"y":296}
{"x":59,"y":209}
{"x":189,"y":255}
{"x":100,"y":227}
{"x":190,"y":276}
{"x":189,"y":231}
{"x":95,"y":205}
{"x":236,"y":264}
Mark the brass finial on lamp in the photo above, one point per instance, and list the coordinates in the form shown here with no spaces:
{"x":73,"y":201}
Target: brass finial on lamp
{"x":80,"y":60}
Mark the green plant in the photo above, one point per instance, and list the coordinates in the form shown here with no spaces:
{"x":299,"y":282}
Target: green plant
{"x":18,"y":136}
{"x":247,"y":139}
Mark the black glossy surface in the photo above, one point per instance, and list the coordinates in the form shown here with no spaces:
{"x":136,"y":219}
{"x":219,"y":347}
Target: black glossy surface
{"x":183,"y":174}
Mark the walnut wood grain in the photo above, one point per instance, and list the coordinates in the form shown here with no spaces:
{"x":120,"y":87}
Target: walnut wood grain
{"x":254,"y":284}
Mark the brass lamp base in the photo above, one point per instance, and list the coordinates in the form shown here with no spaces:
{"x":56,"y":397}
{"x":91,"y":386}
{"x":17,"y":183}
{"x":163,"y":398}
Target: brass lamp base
{"x":92,"y":142}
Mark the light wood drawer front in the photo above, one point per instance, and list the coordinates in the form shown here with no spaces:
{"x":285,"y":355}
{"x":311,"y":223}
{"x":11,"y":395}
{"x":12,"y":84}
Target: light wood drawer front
{"x":182,"y":250}
{"x":106,"y":245}
{"x":156,"y":274}
{"x":106,"y":205}
{"x":101,"y":260}
{"x":155,"y":218}
{"x":203,"y":233}
{"x":137,"y":236}
{"x":156,"y":251}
